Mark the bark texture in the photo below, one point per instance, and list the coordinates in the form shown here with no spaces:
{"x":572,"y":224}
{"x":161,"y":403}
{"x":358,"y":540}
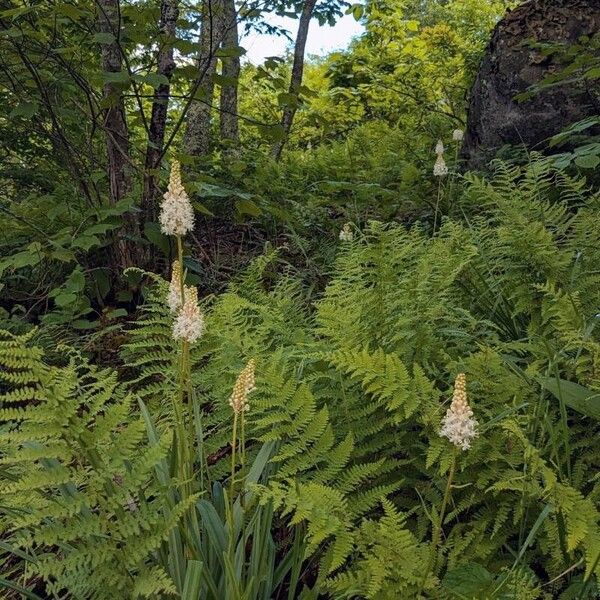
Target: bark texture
{"x":169,"y":12}
{"x":231,"y":73}
{"x":115,"y":123}
{"x":511,"y":66}
{"x":297,"y":72}
{"x":116,"y":131}
{"x":198,"y":131}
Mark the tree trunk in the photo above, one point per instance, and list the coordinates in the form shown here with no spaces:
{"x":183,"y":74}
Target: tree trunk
{"x":511,"y":66}
{"x":198,"y":135}
{"x":297,"y":71}
{"x":115,"y":128}
{"x":169,"y":12}
{"x":231,"y":73}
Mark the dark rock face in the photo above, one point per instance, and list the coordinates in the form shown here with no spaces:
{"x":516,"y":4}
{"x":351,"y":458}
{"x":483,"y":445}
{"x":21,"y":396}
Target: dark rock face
{"x":511,"y":66}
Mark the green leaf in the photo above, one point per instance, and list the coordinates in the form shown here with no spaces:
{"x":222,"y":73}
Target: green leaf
{"x":24,"y":109}
{"x":65,"y":299}
{"x":101,"y":281}
{"x":587,"y":161}
{"x":593,"y":73}
{"x":16,"y":12}
{"x":75,"y":282}
{"x":232,"y":51}
{"x":100,"y":228}
{"x":213,"y":525}
{"x":104,"y":38}
{"x":287,"y":99}
{"x":259,"y":464}
{"x":187,"y":72}
{"x":69,"y":10}
{"x":118,"y":77}
{"x":470,"y":581}
{"x":155,"y":80}
{"x":17,"y":552}
{"x":274,"y":133}
{"x":202,"y":209}
{"x":357,"y":11}
{"x":208,"y":190}
{"x":156,"y":237}
{"x":575,"y":396}
{"x":223,"y":80}
{"x":4,"y":583}
{"x":62,"y":254}
{"x":24,"y":259}
{"x":247,"y":207}
{"x":85,"y":242}
{"x":193,"y":580}
{"x":85,"y":324}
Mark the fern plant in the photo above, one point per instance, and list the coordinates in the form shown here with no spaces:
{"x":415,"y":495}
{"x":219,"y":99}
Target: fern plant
{"x":342,"y":486}
{"x":78,"y":496}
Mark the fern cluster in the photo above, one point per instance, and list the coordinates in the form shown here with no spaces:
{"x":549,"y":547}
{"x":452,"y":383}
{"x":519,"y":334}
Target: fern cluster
{"x":77,"y":497}
{"x":350,"y":395}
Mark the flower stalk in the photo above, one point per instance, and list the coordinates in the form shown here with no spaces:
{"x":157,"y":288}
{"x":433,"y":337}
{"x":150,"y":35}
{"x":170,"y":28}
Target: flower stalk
{"x":177,"y":219}
{"x":460,"y":427}
{"x":238,"y":401}
{"x":440,"y":170}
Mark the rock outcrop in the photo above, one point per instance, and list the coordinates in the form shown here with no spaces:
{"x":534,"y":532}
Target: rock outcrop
{"x":511,"y":65}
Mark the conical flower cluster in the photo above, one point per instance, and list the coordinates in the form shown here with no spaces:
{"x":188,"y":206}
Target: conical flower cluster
{"x":458,"y":425}
{"x":189,"y":323}
{"x":243,"y":386}
{"x":440,"y":169}
{"x":346,"y":234}
{"x":176,"y":212}
{"x":174,"y":296}
{"x":457,"y":135}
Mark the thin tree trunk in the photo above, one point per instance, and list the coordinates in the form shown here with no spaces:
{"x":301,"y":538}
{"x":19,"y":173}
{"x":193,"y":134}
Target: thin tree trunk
{"x":297,"y":72}
{"x":115,"y":127}
{"x":197,"y":135}
{"x":231,"y":73}
{"x":169,"y":13}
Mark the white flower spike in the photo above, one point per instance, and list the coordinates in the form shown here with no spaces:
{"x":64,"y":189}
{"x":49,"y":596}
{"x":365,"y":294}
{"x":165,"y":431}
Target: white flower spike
{"x":458,"y":135}
{"x":174,"y":296}
{"x":189,"y":323}
{"x":440,"y":169}
{"x":346,"y":234}
{"x":176,"y":212}
{"x":458,"y":425}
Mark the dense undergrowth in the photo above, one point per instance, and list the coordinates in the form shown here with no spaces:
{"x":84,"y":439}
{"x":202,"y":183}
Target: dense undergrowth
{"x":389,"y":387}
{"x":336,"y":481}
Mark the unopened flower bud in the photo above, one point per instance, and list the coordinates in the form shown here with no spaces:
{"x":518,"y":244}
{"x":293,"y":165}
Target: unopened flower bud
{"x":243,"y":386}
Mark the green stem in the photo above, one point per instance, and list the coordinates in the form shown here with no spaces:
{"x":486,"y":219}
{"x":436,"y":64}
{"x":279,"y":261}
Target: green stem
{"x":181,"y":273}
{"x":233,"y":448}
{"x":243,"y":440}
{"x":453,"y":178}
{"x":437,"y":530}
{"x":437,"y":205}
{"x":184,"y":460}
